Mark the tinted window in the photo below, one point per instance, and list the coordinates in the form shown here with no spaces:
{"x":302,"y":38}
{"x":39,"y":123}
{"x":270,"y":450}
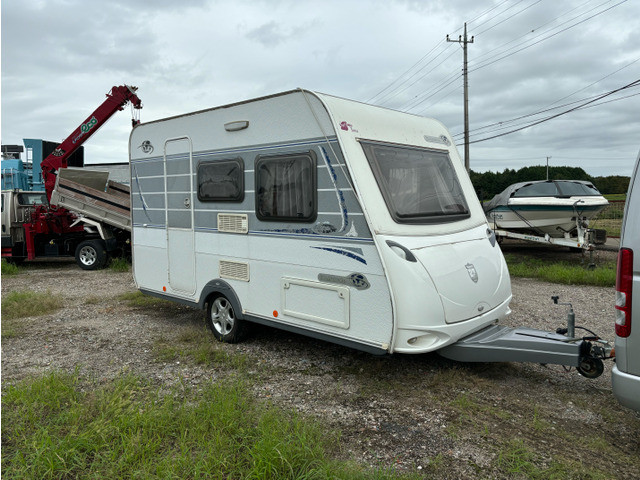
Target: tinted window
{"x":221,"y":181}
{"x":545,"y":189}
{"x":418,"y":185}
{"x":36,"y":198}
{"x":574,"y":188}
{"x":286,"y":188}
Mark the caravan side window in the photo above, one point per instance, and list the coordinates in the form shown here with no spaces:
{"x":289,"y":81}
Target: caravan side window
{"x":221,"y":181}
{"x":286,"y":188}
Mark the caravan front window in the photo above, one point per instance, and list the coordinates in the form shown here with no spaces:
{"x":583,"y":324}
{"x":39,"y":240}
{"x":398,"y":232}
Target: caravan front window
{"x":418,"y":185}
{"x":286,"y":188}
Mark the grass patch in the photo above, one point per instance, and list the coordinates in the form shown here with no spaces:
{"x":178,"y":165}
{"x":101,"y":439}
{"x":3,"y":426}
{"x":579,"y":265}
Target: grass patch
{"x":517,"y":460}
{"x":138,"y":299}
{"x":9,"y":268}
{"x":618,"y":197}
{"x":562,"y":272}
{"x":199,"y":346}
{"x":119,"y":264}
{"x":22,"y":304}
{"x":55,"y":427}
{"x":93,"y":300}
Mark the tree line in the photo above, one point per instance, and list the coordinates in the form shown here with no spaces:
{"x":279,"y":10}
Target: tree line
{"x":488,"y":184}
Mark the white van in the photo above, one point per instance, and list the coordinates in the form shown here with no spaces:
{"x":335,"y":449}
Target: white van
{"x":626,"y":372}
{"x":340,"y":220}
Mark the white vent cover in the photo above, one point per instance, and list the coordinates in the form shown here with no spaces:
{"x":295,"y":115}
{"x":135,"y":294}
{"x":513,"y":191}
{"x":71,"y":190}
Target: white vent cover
{"x":234,"y":270}
{"x":233,"y":222}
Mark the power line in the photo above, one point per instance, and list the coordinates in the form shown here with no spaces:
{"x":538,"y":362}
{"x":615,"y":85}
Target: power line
{"x":487,"y":63}
{"x":531,"y":31}
{"x":407,"y":71}
{"x":399,"y":82}
{"x":528,"y":124}
{"x":420,"y":99}
{"x":398,"y":92}
{"x":427,"y":95}
{"x":503,"y":124}
{"x":632,"y":84}
{"x":508,"y":18}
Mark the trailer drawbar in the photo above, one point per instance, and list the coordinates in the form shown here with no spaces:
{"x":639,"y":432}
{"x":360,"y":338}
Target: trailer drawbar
{"x":497,"y":343}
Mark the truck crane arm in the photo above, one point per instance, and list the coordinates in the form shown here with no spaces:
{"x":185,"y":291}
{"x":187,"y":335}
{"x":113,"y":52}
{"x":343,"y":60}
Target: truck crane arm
{"x":116,"y":100}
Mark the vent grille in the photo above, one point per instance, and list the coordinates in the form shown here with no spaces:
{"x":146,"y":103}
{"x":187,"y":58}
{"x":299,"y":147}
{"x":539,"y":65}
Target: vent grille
{"x":233,"y":222}
{"x":234,"y":270}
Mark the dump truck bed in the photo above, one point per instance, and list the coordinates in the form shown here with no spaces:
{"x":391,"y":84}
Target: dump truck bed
{"x":91,"y":194}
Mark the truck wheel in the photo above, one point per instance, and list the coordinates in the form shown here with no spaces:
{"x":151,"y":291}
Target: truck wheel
{"x":222,"y":321}
{"x":91,"y":255}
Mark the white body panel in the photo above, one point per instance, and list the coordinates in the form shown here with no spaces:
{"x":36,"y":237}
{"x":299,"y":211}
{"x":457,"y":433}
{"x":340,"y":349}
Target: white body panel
{"x":341,"y":275}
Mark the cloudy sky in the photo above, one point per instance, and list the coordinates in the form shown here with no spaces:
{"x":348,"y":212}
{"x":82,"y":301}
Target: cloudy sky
{"x":530,"y":60}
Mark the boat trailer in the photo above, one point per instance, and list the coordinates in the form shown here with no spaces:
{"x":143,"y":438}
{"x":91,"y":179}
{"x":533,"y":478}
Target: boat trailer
{"x":497,"y":343}
{"x":585,"y":238}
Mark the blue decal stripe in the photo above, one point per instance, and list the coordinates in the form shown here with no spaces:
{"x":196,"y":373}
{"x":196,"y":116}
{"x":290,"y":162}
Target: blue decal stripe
{"x":343,"y":252}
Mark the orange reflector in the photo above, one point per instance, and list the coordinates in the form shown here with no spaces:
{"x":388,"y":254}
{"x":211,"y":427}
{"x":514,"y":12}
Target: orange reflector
{"x":275,"y":313}
{"x":164,"y":289}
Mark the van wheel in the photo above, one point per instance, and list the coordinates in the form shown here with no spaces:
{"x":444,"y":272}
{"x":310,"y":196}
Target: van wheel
{"x":91,"y":255}
{"x":222,"y":321}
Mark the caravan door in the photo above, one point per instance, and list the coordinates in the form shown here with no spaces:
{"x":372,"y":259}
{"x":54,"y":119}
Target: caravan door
{"x":178,"y":189}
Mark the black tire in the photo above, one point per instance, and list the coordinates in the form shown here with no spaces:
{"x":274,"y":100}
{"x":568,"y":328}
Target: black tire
{"x":222,"y":320}
{"x":91,"y":255}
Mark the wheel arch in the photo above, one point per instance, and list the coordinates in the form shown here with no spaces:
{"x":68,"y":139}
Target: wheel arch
{"x":218,"y":287}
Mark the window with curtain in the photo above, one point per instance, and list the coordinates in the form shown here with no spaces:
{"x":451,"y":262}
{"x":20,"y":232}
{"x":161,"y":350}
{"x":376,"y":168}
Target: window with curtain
{"x":286,"y":188}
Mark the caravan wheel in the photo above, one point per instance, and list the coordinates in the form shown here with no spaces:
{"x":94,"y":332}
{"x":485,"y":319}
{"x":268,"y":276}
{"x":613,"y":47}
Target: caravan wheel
{"x":222,"y":320}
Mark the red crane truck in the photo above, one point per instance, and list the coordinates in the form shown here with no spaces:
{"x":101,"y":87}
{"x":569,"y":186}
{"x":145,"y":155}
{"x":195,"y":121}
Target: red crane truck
{"x":37,"y":224}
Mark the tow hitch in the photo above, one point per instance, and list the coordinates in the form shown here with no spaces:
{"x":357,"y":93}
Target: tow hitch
{"x":521,"y":344}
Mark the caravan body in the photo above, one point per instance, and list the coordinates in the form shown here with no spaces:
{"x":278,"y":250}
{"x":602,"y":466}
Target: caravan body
{"x":316,"y":214}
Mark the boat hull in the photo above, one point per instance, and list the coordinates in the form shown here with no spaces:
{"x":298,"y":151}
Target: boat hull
{"x":546,"y":216}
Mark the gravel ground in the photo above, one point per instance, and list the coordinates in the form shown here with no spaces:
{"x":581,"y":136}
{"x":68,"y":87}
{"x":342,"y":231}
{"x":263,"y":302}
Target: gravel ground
{"x":419,"y":414}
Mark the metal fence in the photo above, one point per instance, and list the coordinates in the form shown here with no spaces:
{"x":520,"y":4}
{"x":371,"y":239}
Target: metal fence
{"x":610,"y":219}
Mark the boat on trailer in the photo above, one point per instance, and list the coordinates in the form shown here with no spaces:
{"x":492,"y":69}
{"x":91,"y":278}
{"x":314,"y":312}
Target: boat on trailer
{"x":554,"y":208}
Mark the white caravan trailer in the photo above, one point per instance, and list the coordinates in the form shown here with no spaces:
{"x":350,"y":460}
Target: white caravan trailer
{"x":340,"y":220}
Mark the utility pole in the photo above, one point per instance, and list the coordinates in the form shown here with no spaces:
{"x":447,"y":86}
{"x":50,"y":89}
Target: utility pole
{"x":462,"y":39}
{"x":548,"y":167}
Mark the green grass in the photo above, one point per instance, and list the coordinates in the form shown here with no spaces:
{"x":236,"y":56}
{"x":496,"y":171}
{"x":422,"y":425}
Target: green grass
{"x":563,"y":272}
{"x":9,"y":268}
{"x":119,"y":264}
{"x":616,"y":197}
{"x":198,"y":345}
{"x":138,"y":299}
{"x":517,"y":460}
{"x":57,"y":426}
{"x":21,"y":304}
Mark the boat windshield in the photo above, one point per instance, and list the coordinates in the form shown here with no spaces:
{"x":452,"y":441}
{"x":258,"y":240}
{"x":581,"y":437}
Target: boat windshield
{"x":575,"y":189}
{"x":419,"y":186}
{"x":556,"y":189}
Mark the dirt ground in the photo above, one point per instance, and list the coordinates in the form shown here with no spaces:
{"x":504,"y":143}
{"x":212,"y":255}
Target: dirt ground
{"x":419,"y":414}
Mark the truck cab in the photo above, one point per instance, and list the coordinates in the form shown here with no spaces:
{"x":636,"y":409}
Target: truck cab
{"x":17,"y":208}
